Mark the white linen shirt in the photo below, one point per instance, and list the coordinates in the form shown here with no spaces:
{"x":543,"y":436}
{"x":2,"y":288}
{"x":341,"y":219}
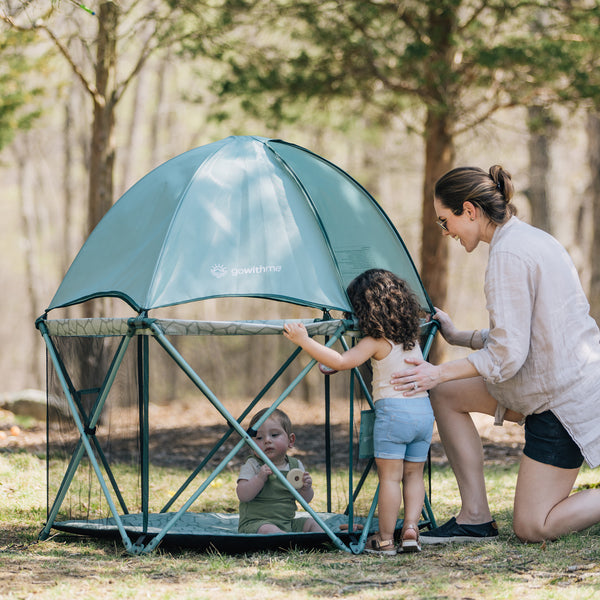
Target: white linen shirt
{"x":542,"y":349}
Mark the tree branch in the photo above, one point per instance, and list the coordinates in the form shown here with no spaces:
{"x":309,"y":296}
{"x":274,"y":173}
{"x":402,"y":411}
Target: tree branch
{"x":63,"y":50}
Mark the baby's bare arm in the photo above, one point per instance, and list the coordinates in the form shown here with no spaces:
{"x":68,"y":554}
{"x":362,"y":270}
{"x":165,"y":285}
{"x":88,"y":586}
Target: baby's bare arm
{"x":247,"y":489}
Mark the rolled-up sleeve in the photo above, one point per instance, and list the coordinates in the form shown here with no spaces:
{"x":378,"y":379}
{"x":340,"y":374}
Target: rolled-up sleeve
{"x":510,"y":294}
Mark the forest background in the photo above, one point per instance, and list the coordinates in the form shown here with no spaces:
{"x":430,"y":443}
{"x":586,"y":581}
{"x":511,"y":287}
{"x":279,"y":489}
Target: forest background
{"x":395,"y":93}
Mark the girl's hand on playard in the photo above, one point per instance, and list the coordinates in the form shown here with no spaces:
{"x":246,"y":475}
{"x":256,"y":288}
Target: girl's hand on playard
{"x":295,"y":332}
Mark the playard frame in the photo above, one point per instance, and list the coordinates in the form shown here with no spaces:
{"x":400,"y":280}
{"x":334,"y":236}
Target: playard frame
{"x":141,"y":534}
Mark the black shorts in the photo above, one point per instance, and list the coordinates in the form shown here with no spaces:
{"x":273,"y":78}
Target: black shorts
{"x":548,"y":442}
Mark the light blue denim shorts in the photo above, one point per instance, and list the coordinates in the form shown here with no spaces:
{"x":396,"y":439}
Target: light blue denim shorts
{"x":403,"y":428}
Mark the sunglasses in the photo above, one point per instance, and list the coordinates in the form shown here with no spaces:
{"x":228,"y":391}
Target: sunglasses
{"x":442,"y":224}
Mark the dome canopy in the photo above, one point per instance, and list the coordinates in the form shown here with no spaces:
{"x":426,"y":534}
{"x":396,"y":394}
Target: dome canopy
{"x":243,"y":216}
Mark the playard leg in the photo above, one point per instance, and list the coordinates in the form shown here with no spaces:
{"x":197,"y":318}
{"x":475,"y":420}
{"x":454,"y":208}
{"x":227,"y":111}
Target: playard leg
{"x":84,"y":442}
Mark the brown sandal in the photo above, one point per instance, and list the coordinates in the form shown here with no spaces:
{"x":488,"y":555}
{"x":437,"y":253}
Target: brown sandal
{"x":375,"y":545}
{"x":410,"y":544}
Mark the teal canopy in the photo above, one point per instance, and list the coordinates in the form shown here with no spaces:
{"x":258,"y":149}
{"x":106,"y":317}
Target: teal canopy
{"x":245,"y":216}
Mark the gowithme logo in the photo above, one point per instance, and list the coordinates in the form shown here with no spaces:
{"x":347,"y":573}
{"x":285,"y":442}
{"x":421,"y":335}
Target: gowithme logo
{"x":220,"y":271}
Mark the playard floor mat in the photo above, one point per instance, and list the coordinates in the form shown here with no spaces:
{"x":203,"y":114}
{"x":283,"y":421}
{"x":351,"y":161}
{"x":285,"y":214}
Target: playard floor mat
{"x":217,"y":531}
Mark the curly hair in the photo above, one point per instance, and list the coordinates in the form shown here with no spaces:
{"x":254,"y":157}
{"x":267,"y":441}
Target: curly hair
{"x":385,"y":307}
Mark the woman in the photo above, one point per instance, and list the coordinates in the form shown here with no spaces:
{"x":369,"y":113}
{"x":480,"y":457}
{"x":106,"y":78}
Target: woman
{"x":538,"y":362}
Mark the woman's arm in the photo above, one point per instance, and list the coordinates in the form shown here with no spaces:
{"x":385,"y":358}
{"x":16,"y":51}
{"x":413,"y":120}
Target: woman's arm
{"x":427,"y":376}
{"x":467,"y":338}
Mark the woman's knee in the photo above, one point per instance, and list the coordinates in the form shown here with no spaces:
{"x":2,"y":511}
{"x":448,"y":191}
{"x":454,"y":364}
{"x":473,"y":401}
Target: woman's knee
{"x":443,"y":399}
{"x":462,"y":396}
{"x":527,"y":530}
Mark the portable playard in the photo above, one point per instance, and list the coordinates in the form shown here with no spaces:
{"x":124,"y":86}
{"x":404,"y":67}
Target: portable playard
{"x":246,"y":217}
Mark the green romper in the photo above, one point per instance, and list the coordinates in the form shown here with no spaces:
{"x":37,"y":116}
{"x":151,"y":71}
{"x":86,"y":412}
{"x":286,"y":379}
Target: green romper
{"x":273,"y":504}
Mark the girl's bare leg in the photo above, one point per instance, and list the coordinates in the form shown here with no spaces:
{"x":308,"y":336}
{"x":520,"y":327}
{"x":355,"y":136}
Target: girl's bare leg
{"x":389,"y":472}
{"x":413,"y":493}
{"x":452,"y":402}
{"x":544,"y":508}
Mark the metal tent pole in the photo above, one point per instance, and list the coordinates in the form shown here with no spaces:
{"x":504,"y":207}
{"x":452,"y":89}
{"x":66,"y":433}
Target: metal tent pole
{"x":83,"y":432}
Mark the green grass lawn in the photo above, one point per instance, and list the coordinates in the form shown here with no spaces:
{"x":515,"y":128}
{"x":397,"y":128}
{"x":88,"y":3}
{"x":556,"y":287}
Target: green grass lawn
{"x":67,"y":566}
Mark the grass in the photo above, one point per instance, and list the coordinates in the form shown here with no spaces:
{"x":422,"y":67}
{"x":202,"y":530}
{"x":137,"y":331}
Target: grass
{"x":68,"y":566}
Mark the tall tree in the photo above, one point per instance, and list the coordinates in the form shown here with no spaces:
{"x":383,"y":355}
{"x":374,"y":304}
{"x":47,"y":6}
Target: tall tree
{"x":542,"y":130}
{"x":451,"y":63}
{"x":143,"y":29}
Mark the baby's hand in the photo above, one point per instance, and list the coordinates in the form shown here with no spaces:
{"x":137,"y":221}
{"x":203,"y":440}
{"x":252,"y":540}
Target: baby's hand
{"x":306,"y":480}
{"x":265,"y":471}
{"x":295,"y":332}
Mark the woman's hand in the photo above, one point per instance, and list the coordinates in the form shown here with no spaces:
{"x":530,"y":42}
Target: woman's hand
{"x":417,"y":380}
{"x":447,"y":328}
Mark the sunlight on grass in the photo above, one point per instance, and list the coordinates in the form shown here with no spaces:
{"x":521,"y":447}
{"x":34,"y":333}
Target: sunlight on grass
{"x":22,"y":484}
{"x":77,"y":566}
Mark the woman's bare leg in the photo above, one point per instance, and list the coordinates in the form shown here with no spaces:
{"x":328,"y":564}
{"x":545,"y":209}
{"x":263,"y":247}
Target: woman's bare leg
{"x":452,"y":404}
{"x":544,"y":508}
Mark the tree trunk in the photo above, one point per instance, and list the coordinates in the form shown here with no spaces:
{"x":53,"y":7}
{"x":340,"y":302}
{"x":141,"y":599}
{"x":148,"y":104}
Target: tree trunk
{"x":133,"y":146}
{"x":68,"y":170}
{"x":439,"y":158}
{"x":35,"y":369}
{"x":594,"y":195}
{"x":102,"y":154}
{"x":541,"y":132}
{"x":102,"y":147}
{"x":160,"y":111}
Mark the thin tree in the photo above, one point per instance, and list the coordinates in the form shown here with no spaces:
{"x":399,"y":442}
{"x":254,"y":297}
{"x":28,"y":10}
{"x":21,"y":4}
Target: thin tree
{"x":594,"y":193}
{"x":542,"y":130}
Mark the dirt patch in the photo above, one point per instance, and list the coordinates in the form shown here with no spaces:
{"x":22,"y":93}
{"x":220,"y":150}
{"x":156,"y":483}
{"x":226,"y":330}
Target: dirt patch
{"x":181,"y":433}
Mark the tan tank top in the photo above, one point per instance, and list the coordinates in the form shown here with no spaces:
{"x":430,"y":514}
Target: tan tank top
{"x":392,"y":363}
